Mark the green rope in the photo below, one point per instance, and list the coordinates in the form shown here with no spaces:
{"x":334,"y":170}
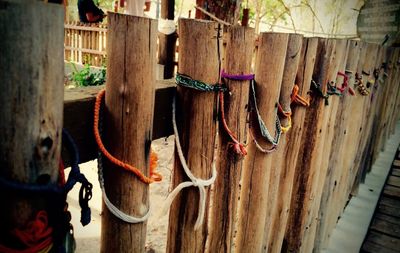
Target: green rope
{"x":315,"y":87}
{"x":188,"y":82}
{"x":332,"y":90}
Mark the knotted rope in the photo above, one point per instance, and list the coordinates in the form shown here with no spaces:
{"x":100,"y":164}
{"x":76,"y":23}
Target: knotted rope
{"x":287,"y":114}
{"x":345,"y":84}
{"x":333,"y":90}
{"x":361,"y":87}
{"x":195,"y":182}
{"x":316,"y":87}
{"x":238,"y":148}
{"x":297,"y":99}
{"x":263,"y":128}
{"x":98,"y":127}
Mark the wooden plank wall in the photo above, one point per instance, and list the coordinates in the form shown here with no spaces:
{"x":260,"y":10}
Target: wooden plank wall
{"x":333,"y":145}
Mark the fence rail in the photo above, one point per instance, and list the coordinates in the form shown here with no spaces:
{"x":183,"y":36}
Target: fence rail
{"x":85,"y":43}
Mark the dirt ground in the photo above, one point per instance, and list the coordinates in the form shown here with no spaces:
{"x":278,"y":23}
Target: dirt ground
{"x":88,"y":237}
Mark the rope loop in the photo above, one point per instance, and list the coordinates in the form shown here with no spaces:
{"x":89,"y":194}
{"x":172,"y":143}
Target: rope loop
{"x":297,"y":99}
{"x":154,"y":176}
{"x":194,"y":182}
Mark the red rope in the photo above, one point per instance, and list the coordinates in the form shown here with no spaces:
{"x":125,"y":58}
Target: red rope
{"x":237,"y":147}
{"x":36,"y":236}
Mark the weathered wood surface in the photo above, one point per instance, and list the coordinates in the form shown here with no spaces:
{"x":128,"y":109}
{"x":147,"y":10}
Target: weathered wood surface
{"x":128,"y":116}
{"x":310,"y":155}
{"x":269,"y":68}
{"x":278,"y":171}
{"x":333,"y":200}
{"x":332,"y":145}
{"x":225,"y":191}
{"x":325,"y":146}
{"x":196,"y":123}
{"x":31,"y":81}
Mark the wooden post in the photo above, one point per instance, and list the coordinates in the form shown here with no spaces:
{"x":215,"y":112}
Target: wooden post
{"x":128,"y":119}
{"x":344,"y":121}
{"x":196,"y":118}
{"x":31,"y":83}
{"x":294,"y":136}
{"x":278,"y":170}
{"x":238,"y":56}
{"x":269,"y":68}
{"x":167,"y":43}
{"x":331,"y":149}
{"x":310,"y":155}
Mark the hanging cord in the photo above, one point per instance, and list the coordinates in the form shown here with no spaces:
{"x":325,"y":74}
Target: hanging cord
{"x":195,"y":182}
{"x":287,"y":114}
{"x":154,"y":176}
{"x":239,"y":148}
{"x":316,"y":88}
{"x":263,"y":128}
{"x":37,"y":235}
{"x":98,"y":129}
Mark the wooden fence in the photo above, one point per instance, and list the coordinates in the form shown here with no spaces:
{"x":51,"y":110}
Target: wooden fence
{"x":85,"y":43}
{"x":274,"y":194}
{"x":320,"y":161}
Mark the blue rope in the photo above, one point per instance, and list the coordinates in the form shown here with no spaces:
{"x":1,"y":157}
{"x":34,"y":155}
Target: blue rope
{"x":75,"y":176}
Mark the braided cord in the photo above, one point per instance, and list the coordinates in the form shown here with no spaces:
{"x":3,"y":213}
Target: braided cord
{"x":264,"y":131}
{"x":316,"y":87}
{"x":188,"y":82}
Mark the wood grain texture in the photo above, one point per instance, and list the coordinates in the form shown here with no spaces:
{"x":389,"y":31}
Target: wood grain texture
{"x":128,"y":116}
{"x":333,"y":141}
{"x":269,"y":68}
{"x":31,"y":83}
{"x":196,"y":116}
{"x":278,"y":170}
{"x":310,"y":155}
{"x":225,"y":191}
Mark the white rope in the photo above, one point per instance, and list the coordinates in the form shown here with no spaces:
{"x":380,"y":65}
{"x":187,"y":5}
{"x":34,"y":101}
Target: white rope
{"x":111,"y":207}
{"x":195,"y":182}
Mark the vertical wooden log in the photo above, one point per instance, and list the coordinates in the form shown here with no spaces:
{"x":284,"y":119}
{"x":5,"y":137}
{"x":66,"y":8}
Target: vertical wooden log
{"x":325,"y":146}
{"x":278,"y":171}
{"x":310,"y":155}
{"x":196,"y":118}
{"x":344,"y":121}
{"x":295,"y":136}
{"x":332,"y":147}
{"x":31,"y":83}
{"x":167,"y":43}
{"x":254,"y":193}
{"x":238,"y":56}
{"x":356,"y":110}
{"x":128,"y":118}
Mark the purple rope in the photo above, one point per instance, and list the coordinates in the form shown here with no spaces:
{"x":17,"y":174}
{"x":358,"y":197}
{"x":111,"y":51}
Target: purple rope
{"x":237,"y":77}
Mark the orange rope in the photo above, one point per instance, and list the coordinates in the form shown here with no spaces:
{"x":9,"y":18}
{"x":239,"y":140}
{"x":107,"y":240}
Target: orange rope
{"x":154,"y":176}
{"x":296,"y":98}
